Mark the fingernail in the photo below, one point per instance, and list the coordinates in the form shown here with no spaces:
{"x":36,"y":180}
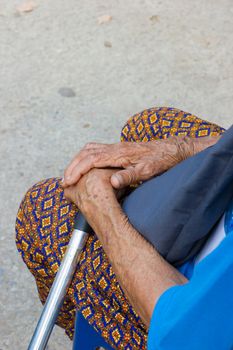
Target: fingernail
{"x":62,"y":180}
{"x":118,"y":178}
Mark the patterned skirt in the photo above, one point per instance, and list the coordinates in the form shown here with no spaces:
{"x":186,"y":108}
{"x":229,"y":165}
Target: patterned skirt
{"x":44,"y":224}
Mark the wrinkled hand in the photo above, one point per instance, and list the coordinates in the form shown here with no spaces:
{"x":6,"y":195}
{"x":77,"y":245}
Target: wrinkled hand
{"x":94,"y":194}
{"x":138,"y":161}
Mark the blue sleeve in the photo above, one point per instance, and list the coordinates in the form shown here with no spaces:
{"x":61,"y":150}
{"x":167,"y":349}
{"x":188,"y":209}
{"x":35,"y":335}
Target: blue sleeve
{"x":199,"y":314}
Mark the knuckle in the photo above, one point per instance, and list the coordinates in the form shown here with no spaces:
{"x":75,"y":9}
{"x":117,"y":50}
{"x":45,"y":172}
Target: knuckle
{"x":131,"y":175}
{"x":82,"y":154}
{"x":125,"y":162}
{"x":89,"y":145}
{"x":92,"y":183}
{"x":148,"y":169}
{"x":92,"y":159}
{"x":92,"y":177}
{"x":95,"y":157}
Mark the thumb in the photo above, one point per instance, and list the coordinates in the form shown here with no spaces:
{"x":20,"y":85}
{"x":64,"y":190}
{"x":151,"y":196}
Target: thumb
{"x":124,"y":178}
{"x":69,"y":193}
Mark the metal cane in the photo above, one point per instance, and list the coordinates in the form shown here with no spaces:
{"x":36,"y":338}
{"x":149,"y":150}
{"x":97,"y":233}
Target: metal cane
{"x":61,"y":283}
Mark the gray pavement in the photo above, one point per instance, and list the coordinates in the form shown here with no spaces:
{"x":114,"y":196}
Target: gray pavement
{"x":65,"y":79}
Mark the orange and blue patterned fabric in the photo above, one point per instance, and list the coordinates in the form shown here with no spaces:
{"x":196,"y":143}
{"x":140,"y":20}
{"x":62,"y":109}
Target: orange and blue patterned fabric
{"x":44,"y":224}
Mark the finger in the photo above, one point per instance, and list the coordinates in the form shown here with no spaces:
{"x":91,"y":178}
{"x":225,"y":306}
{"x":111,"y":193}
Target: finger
{"x":93,"y":160}
{"x":87,"y":151}
{"x":125,"y":178}
{"x":68,"y":193}
{"x":96,"y":160}
{"x":79,"y":170}
{"x":94,"y":145}
{"x":83,"y":154}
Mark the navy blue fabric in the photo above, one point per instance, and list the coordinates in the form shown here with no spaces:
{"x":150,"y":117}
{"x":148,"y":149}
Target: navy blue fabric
{"x":85,"y":336}
{"x":177,"y":210}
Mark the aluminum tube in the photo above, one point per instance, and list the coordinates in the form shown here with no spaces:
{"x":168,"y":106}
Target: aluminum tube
{"x":58,"y":291}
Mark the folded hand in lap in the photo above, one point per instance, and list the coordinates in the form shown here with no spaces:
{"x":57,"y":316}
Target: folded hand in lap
{"x":137,"y":161}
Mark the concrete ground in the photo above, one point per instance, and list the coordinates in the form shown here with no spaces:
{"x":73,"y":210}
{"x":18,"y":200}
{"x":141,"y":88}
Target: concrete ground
{"x":66,"y":79}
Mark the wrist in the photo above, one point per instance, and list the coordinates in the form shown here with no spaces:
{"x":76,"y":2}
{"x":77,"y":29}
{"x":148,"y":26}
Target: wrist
{"x":188,"y":146}
{"x":204,"y":142}
{"x":100,"y":211}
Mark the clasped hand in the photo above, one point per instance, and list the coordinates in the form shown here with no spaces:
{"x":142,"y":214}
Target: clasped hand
{"x":122,"y":164}
{"x":136,"y":161}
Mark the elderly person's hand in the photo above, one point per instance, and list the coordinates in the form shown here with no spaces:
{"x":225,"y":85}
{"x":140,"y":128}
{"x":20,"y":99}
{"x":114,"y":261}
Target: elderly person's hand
{"x":94,"y":193}
{"x":142,"y":273}
{"x":138,"y":161}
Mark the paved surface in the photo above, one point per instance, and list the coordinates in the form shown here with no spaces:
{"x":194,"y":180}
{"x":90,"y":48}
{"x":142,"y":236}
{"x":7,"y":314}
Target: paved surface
{"x":65,"y":79}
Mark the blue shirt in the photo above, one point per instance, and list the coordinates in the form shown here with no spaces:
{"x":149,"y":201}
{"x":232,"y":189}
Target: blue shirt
{"x":198,"y":314}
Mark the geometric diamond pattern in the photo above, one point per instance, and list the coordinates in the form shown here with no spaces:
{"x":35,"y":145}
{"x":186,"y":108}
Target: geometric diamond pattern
{"x":116,"y":335}
{"x":44,"y":224}
{"x":203,"y":132}
{"x":137,"y":338}
{"x":87,"y":312}
{"x":46,"y":221}
{"x":62,"y":229}
{"x":163,"y":122}
{"x":139,"y":128}
{"x":64,"y":210}
{"x":48,"y":203}
{"x":103,"y":283}
{"x":96,"y":262}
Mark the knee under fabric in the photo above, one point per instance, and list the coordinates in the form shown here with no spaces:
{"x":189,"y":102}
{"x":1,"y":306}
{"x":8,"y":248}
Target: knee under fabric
{"x":177,"y":210}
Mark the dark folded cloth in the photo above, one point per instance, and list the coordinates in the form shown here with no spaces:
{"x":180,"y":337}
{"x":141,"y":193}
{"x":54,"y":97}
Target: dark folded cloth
{"x":177,"y":210}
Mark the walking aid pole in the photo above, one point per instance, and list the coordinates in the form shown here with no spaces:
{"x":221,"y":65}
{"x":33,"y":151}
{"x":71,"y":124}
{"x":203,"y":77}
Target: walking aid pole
{"x":61,"y":283}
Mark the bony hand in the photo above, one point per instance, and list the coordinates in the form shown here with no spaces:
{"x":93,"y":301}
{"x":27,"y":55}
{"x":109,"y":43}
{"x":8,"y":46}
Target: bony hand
{"x":94,"y":192}
{"x":138,"y":161}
